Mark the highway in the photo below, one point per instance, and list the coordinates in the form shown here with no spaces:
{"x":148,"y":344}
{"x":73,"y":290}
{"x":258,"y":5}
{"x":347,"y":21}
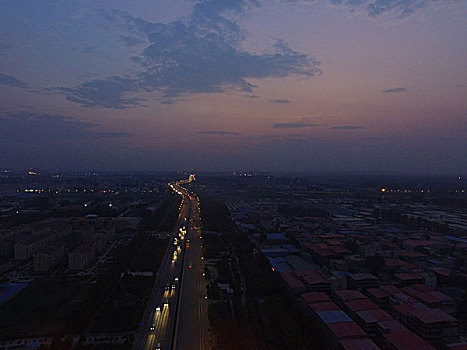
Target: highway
{"x":192,"y":322}
{"x":176,"y":313}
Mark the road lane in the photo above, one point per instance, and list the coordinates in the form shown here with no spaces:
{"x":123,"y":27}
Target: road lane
{"x":184,"y":323}
{"x":145,"y":339}
{"x":191,"y":333}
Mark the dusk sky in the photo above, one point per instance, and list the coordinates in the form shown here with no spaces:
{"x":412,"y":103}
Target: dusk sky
{"x":224,"y":85}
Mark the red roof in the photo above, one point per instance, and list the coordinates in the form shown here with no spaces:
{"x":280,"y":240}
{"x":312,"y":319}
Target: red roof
{"x":389,"y":244}
{"x":348,"y":295}
{"x":376,"y":293}
{"x":441,"y":297}
{"x":421,"y":287}
{"x":403,"y":309}
{"x":333,"y":242}
{"x":340,"y":250}
{"x":315,"y":297}
{"x":292,"y":281}
{"x":416,"y":243}
{"x":347,"y":330}
{"x":391,"y":289}
{"x":409,"y":291}
{"x":408,"y":276}
{"x":407,"y":341}
{"x":300,"y":273}
{"x":361,"y":304}
{"x":392,"y":326}
{"x":441,"y":271}
{"x":325,"y":306}
{"x":362,"y":276}
{"x":314,"y":278}
{"x":375,"y":315}
{"x":358,"y":344}
{"x":432,"y":316}
{"x":394,"y":262}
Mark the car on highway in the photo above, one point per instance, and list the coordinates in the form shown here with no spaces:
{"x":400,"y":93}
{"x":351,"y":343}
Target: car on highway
{"x":152,"y":328}
{"x":158,"y":346}
{"x":166,"y":302}
{"x":173,"y":286}
{"x":167,"y":286}
{"x":157,"y":309}
{"x":190,"y":265}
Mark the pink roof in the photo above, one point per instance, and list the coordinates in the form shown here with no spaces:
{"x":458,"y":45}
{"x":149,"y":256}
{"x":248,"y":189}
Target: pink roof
{"x":346,"y":330}
{"x":358,"y":344}
{"x":315,"y":297}
{"x":348,"y":295}
{"x":361,"y":304}
{"x":407,"y":341}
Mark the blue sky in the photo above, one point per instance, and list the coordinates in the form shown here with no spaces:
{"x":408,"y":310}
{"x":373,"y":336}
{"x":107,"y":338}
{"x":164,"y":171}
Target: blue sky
{"x":279,"y":85}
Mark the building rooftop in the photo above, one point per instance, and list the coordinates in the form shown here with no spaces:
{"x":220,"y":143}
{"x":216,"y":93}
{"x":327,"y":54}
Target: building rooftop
{"x":374,"y":315}
{"x":325,"y":306}
{"x":292,"y":281}
{"x":347,"y":330}
{"x":407,"y":341}
{"x":358,"y":344}
{"x":361,"y":304}
{"x":405,"y":276}
{"x":333,"y":316}
{"x":315,"y":297}
{"x":314,"y":278}
{"x":348,"y":295}
{"x":377,"y":293}
{"x":362,"y":276}
{"x":432,"y":316}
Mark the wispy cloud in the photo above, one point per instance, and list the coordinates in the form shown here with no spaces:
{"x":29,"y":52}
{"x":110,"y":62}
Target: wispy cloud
{"x":45,"y":128}
{"x":110,"y":92}
{"x":375,"y":8}
{"x":201,"y":54}
{"x":279,"y":101}
{"x":293,"y":125}
{"x":348,"y":127}
{"x":394,"y":90}
{"x":11,"y":81}
{"x":219,"y":133}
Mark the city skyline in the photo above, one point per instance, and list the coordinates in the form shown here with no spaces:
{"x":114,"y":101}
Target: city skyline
{"x":303,"y":86}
